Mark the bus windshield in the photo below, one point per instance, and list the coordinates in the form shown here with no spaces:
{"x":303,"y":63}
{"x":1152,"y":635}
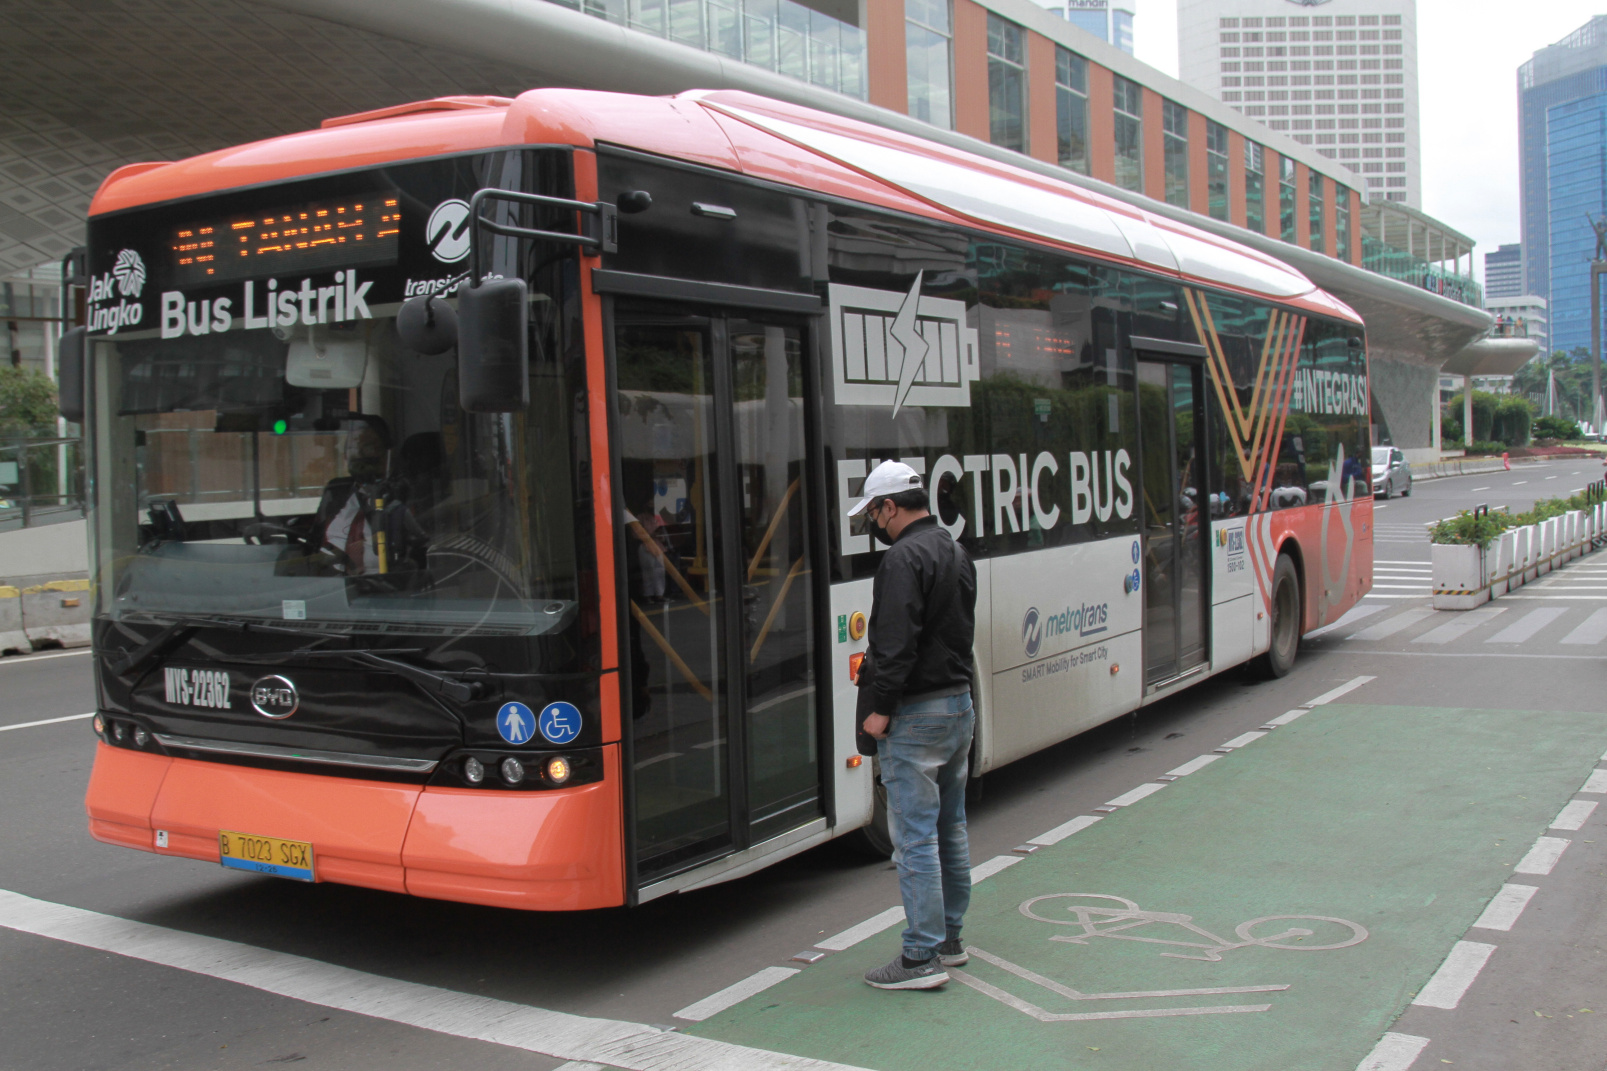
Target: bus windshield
{"x":226,"y":490}
{"x":266,"y":448}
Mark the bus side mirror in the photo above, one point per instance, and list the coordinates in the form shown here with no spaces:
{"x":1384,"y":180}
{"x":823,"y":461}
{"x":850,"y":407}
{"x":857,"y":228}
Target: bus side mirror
{"x":71,"y":374}
{"x":493,"y":346}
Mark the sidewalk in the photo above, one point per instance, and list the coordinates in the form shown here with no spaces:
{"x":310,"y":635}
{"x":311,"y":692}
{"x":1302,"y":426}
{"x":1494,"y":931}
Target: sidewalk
{"x":1274,"y":909}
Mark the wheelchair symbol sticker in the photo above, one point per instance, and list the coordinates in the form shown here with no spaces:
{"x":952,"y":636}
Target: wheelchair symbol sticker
{"x":516,"y":723}
{"x":560,"y":722}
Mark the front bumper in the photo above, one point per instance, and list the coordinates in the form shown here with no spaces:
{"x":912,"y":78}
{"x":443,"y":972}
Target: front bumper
{"x":558,"y":850}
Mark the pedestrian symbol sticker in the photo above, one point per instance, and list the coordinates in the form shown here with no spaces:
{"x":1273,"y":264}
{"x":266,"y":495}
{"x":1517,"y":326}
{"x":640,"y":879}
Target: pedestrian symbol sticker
{"x":516,"y":723}
{"x":560,"y":722}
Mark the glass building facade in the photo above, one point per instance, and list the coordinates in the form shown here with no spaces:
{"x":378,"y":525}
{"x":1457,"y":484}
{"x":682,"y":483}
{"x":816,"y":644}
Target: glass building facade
{"x":1216,"y":170}
{"x":1571,"y":69}
{"x":1576,"y":187}
{"x":1007,"y":85}
{"x":1175,"y":136}
{"x":1129,"y":134}
{"x":1071,"y":110}
{"x":1255,"y":187}
{"x":928,"y":51}
{"x":778,"y":35}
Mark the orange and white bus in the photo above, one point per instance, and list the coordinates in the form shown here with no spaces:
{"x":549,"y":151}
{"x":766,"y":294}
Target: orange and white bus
{"x":469,"y":480}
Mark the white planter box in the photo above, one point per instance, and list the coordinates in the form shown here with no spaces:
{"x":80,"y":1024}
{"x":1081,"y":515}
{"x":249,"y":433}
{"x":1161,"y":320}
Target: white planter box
{"x":1461,"y":580}
{"x":1501,"y":572}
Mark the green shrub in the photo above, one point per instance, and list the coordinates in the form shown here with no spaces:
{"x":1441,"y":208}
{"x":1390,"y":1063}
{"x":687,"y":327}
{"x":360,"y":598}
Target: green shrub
{"x":1486,"y":448}
{"x":1450,"y":431}
{"x":1469,"y":529}
{"x":1556,"y":427}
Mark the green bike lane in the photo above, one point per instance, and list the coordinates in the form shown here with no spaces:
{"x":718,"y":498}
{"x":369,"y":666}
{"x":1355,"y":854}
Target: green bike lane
{"x":1385,"y":831}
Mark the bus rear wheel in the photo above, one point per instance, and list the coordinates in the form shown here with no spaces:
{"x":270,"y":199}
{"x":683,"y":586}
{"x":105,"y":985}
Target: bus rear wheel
{"x":1286,"y":619}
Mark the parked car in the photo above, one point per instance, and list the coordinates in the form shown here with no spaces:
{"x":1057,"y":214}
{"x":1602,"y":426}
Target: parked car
{"x":1391,"y":473}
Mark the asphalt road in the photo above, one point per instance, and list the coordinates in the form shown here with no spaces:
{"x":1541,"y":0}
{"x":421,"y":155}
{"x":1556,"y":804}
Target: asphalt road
{"x":65,"y":1003}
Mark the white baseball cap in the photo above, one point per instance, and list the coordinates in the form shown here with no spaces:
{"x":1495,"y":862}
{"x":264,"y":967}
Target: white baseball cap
{"x":888,"y":478}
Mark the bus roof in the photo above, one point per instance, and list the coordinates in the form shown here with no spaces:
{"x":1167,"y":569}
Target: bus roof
{"x":754,"y":136}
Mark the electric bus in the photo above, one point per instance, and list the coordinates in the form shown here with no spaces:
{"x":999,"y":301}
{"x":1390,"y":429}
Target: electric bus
{"x":469,"y":480}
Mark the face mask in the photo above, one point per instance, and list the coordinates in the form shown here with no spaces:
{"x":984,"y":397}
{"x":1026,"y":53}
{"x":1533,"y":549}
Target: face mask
{"x":879,"y":533}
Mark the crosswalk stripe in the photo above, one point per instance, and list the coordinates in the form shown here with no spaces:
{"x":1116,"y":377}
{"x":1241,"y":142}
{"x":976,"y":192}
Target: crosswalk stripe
{"x":1388,"y":627}
{"x":1526,"y":626}
{"x":1594,"y":630}
{"x":1459,"y":626}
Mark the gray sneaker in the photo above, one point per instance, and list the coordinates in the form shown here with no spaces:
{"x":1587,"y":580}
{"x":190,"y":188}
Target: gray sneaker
{"x":953,"y":954}
{"x":897,"y":976}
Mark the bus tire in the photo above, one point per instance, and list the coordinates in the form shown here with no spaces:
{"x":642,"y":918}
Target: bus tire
{"x":874,"y":840}
{"x":1285,"y":624}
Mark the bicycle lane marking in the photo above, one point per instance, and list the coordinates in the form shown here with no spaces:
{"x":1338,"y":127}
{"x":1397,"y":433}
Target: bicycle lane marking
{"x":1192,"y":859}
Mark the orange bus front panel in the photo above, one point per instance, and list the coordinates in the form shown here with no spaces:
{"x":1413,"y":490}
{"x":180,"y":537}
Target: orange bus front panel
{"x":122,"y":790}
{"x":356,"y":828}
{"x":559,"y":850}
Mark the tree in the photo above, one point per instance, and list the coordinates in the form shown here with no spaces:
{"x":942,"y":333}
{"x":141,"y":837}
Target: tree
{"x":27,"y":403}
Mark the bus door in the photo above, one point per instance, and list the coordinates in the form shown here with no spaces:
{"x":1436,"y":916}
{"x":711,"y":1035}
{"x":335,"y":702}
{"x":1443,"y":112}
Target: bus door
{"x":1176,"y":519}
{"x":720,"y":699}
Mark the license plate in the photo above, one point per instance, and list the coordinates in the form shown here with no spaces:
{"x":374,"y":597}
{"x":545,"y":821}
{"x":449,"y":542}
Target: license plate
{"x":266,"y":855}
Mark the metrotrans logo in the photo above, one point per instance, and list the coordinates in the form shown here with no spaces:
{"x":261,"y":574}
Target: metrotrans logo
{"x":892,"y":349}
{"x":1087,"y":619}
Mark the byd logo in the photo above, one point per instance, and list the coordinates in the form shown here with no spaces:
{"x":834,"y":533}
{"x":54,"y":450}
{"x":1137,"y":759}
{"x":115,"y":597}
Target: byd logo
{"x":275,"y":697}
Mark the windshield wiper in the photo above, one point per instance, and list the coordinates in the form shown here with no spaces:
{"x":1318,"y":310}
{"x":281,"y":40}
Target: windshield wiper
{"x":452,"y":687}
{"x":173,"y":636}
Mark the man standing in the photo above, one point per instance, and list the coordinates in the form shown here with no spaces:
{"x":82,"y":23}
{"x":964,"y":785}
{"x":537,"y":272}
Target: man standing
{"x":922,"y":628}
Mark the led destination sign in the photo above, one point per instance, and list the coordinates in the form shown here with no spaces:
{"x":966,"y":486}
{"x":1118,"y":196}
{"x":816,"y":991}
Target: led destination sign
{"x":312,"y":237}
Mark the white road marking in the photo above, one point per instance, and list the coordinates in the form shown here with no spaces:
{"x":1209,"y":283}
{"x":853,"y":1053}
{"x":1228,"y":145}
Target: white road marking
{"x":1449,"y":984}
{"x":986,"y":869}
{"x":1596,"y":783}
{"x":46,"y":721}
{"x":612,"y":1042}
{"x":715,"y":1003}
{"x":1391,"y":625}
{"x":1344,"y":689}
{"x":1349,"y":617}
{"x":1519,"y":483}
{"x":1394,"y":1052}
{"x":1481,"y":489}
{"x":1459,"y":626}
{"x":872,"y":926}
{"x":1543,"y":856}
{"x":1127,"y":799}
{"x":1505,"y":908}
{"x":1243,"y":739}
{"x":1593,"y":631}
{"x":18,"y":660}
{"x":1194,"y":765}
{"x":1526,"y":626}
{"x":575,"y":1065}
{"x":1288,"y":716}
{"x":1573,"y":815}
{"x":1552,"y":477}
{"x":1381,"y":505}
{"x":1065,"y":829}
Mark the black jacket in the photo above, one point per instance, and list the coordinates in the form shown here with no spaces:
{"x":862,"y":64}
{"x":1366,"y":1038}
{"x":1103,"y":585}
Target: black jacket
{"x":922,"y":617}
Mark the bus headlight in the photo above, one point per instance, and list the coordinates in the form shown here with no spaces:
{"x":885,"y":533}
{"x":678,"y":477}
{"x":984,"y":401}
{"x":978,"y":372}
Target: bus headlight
{"x":473,"y":770}
{"x":513,"y":771}
{"x":558,"y":770}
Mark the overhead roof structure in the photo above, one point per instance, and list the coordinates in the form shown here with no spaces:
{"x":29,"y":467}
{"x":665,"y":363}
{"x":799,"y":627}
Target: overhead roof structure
{"x":127,"y":81}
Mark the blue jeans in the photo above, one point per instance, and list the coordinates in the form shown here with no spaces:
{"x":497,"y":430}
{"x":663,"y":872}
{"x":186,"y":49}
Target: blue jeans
{"x":925,"y":760}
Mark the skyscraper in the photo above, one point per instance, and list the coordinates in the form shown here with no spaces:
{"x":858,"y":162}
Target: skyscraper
{"x":1503,"y":272}
{"x":1561,"y":139}
{"x":1339,"y":75}
{"x":1109,"y":20}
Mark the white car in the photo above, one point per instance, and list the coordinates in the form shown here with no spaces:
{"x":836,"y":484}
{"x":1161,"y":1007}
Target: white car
{"x":1391,"y":473}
